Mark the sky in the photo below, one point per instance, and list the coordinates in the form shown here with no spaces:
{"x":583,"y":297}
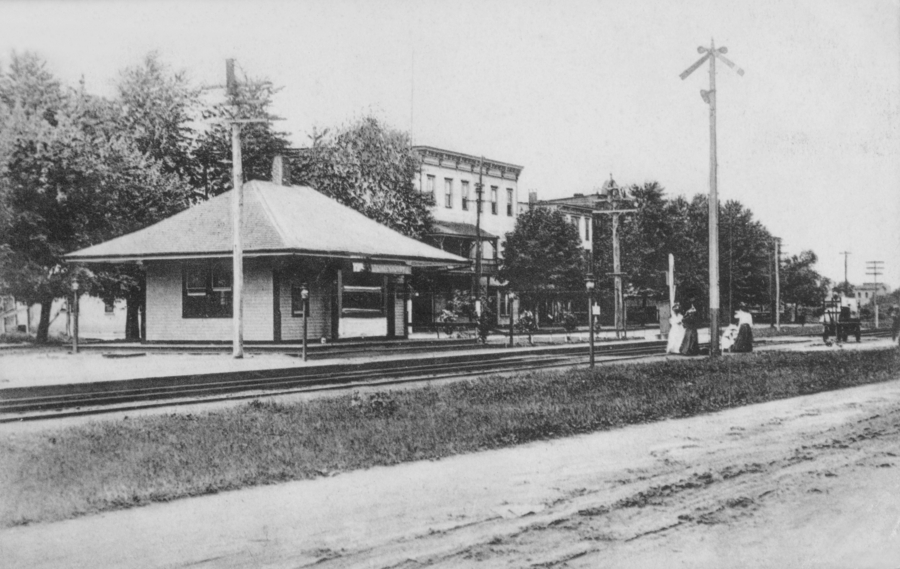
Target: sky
{"x":573,"y":90}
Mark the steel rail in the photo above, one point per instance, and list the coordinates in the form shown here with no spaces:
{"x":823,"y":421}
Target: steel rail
{"x":240,"y":386}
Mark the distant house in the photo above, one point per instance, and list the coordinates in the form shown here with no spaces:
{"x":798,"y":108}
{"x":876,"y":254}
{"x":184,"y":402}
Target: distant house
{"x":354,"y":268}
{"x":867,"y":292}
{"x":96,"y":318}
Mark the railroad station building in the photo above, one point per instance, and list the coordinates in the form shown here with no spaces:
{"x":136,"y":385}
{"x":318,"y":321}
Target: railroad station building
{"x":451,"y":178}
{"x":354,"y":268}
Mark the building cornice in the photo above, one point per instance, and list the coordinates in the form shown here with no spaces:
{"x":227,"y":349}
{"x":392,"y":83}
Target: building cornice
{"x":467,"y":162}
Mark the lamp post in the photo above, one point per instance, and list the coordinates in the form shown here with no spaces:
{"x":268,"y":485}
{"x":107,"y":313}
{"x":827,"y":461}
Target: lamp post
{"x":512,"y":314}
{"x":589,"y":285}
{"x":304,"y":297}
{"x":74,"y":317}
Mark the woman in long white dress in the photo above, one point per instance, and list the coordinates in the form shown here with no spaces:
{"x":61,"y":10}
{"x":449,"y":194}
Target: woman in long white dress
{"x":676,"y":330}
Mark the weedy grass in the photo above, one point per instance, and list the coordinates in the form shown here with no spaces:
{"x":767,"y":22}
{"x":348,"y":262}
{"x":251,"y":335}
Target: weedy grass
{"x":106,"y":465}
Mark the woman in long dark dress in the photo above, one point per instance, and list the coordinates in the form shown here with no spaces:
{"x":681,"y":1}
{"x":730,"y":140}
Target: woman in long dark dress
{"x":744,"y":340}
{"x":690,"y":346}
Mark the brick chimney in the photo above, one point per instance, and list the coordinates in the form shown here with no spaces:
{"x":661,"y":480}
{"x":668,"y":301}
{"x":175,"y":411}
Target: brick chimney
{"x":532,"y":197}
{"x":281,"y":171}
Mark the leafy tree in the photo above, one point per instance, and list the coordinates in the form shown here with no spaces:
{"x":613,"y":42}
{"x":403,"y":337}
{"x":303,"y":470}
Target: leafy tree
{"x":369,"y":167}
{"x":156,"y":107}
{"x":801,"y":284}
{"x":845,"y":288}
{"x":70,"y":178}
{"x":542,"y":257}
{"x":260,"y":142}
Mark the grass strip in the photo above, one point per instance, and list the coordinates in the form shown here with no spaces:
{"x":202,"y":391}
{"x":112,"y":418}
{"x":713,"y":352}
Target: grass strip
{"x":107,"y":465}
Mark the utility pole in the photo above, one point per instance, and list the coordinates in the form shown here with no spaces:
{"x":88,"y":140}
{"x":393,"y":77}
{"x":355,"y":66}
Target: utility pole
{"x":237,"y":213}
{"x":711,"y":53}
{"x":479,"y":192}
{"x":777,"y":284}
{"x":237,"y":207}
{"x":846,"y":282}
{"x":615,"y":196}
{"x":875,"y":269}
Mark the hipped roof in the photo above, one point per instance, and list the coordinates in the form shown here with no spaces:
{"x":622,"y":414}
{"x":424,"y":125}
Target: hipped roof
{"x":277,"y":220}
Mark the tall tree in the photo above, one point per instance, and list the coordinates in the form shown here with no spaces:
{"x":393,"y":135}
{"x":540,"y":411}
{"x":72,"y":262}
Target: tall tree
{"x":260,"y":142}
{"x":155,"y":107}
{"x":369,"y":167}
{"x":70,"y":178}
{"x":801,"y":284}
{"x":542,"y":258}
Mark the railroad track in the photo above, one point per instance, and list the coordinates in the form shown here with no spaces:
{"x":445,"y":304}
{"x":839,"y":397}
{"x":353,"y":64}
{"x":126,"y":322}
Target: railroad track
{"x":43,"y":402}
{"x":46,"y":402}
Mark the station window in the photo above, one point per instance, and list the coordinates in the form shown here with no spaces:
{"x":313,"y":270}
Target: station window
{"x":429,"y":185}
{"x":465,"y":194}
{"x":448,"y":192}
{"x":587,"y":228}
{"x":494,"y":205}
{"x":206,"y":291}
{"x":363,"y":296}
{"x":109,"y":307}
{"x":509,"y":202}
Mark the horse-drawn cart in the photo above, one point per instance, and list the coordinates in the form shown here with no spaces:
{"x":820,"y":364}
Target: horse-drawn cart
{"x":840,"y":320}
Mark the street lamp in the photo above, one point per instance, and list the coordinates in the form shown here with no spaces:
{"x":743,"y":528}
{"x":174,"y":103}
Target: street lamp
{"x":589,"y":285}
{"x":512,"y":314}
{"x":304,"y":298}
{"x":75,"y":317}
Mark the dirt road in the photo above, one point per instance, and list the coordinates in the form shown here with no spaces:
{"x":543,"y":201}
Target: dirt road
{"x":807,"y":482}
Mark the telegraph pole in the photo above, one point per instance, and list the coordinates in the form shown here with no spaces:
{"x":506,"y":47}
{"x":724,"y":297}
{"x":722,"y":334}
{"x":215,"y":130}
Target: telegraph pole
{"x":237,"y":207}
{"x":710,"y":98}
{"x":479,"y":191}
{"x":237,"y":212}
{"x":875,"y":269}
{"x":846,"y":282}
{"x":614,"y":197}
{"x":777,"y":284}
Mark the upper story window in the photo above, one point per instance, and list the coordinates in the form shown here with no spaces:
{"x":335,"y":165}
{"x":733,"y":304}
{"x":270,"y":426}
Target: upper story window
{"x":465,"y":194}
{"x":206,"y":290}
{"x":494,"y":205}
{"x":429,"y":185}
{"x":587,"y":228}
{"x":509,"y":202}
{"x":448,"y":192}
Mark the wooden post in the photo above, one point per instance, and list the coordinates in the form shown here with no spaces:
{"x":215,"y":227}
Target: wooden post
{"x":671,"y":280}
{"x":75,"y":319}
{"x":777,"y":284}
{"x":479,"y":193}
{"x":617,"y":269}
{"x":713,"y":215}
{"x":237,"y":210}
{"x":237,"y":207}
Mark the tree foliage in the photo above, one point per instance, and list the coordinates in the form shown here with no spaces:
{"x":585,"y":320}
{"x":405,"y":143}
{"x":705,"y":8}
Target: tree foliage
{"x":260,"y":141}
{"x":542,"y":257}
{"x":677,"y":226}
{"x":71,"y":177}
{"x":371,"y":168}
{"x":801,"y":283}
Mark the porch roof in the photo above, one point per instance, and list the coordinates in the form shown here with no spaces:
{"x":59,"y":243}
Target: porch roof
{"x":458,"y":229}
{"x":278,"y":220}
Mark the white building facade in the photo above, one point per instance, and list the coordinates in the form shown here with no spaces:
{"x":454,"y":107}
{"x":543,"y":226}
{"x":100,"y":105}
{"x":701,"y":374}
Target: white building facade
{"x":453,"y":179}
